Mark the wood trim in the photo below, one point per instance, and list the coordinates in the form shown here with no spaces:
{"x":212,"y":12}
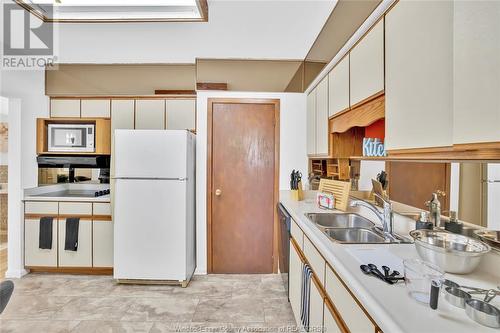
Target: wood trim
{"x":336,"y":315}
{"x":473,"y":151}
{"x":81,"y":217}
{"x":361,"y":116}
{"x":368,"y":99}
{"x":476,"y":146}
{"x":175,"y":92}
{"x":102,"y":218}
{"x":201,"y":4}
{"x":276,"y":103}
{"x":28,"y":216}
{"x":72,"y":270}
{"x":211,"y":86}
{"x":203,"y":8}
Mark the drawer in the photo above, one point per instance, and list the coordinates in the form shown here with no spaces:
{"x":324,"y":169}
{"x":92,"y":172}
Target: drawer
{"x":297,"y":234}
{"x":41,"y":207}
{"x":102,"y":209}
{"x":75,"y":208}
{"x":33,"y":255}
{"x":315,"y":260}
{"x":352,"y":314}
{"x":83,"y":256}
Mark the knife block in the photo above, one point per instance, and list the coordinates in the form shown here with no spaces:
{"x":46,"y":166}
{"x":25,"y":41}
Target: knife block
{"x":298,"y":195}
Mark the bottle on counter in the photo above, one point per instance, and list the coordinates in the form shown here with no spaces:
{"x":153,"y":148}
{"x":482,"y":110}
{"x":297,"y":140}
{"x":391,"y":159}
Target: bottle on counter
{"x":423,"y":222}
{"x":453,"y":225}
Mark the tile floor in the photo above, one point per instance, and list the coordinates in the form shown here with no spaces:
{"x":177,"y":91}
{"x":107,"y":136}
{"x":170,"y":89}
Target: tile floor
{"x":211,"y":303}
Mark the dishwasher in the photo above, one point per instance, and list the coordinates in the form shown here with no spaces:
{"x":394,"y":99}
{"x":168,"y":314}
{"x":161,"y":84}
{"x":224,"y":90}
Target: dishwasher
{"x":284,"y":241}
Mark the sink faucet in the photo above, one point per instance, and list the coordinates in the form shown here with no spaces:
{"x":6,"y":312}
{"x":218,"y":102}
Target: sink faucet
{"x":435,"y":210}
{"x":386,"y":217}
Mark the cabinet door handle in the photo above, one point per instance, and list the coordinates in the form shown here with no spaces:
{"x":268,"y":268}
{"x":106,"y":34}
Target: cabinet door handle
{"x":218,"y":192}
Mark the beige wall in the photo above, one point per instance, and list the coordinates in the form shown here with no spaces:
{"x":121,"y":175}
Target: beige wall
{"x":75,"y":79}
{"x":248,"y":75}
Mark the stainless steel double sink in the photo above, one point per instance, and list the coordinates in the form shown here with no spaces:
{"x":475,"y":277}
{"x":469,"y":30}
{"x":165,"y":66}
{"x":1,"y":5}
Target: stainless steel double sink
{"x":351,"y":228}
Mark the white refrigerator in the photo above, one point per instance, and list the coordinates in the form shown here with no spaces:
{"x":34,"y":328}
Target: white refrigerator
{"x":154,"y":205}
{"x":492,"y":182}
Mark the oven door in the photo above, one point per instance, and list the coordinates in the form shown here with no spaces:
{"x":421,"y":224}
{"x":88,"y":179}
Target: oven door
{"x":70,"y":138}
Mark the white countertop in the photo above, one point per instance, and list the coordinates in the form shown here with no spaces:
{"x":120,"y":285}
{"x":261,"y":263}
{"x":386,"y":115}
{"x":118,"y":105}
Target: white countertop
{"x":390,"y":305}
{"x":52,"y":192}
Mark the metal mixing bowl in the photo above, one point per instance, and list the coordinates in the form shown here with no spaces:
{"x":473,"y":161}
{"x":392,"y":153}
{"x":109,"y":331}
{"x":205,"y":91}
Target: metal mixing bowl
{"x":451,"y":252}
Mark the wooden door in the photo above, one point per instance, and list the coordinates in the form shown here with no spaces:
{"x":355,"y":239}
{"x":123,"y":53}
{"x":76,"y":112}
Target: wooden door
{"x":413,"y":183}
{"x":242,"y":186}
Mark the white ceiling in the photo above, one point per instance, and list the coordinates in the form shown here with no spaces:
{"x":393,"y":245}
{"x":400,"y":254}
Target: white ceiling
{"x":244,"y":29}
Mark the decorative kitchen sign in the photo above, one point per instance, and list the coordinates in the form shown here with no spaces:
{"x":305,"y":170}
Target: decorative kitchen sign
{"x":373,"y":147}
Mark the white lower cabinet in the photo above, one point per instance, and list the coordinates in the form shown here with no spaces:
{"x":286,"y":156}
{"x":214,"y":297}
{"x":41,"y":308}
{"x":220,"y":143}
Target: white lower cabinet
{"x":33,"y":255}
{"x":295,"y":281}
{"x":352,"y":314}
{"x":102,"y":243}
{"x":329,"y":323}
{"x":332,"y":308}
{"x":82,"y":257}
{"x":315,"y":260}
{"x":95,"y":235}
{"x":316,"y":302}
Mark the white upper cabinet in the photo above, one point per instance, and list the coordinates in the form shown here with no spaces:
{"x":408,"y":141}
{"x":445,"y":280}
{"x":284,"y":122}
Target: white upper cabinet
{"x":338,"y":88}
{"x":419,"y":74}
{"x":150,"y":114}
{"x":367,"y":65}
{"x":311,"y":123}
{"x":181,"y":114}
{"x":122,"y":114}
{"x":96,"y":108}
{"x":65,"y":108}
{"x":322,"y":117}
{"x":476,"y":72}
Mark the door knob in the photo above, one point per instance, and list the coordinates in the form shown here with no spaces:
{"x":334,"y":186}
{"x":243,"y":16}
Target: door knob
{"x":218,"y":192}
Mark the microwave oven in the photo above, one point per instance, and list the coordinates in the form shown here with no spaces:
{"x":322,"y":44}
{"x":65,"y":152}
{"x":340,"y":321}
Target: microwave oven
{"x":71,"y":138}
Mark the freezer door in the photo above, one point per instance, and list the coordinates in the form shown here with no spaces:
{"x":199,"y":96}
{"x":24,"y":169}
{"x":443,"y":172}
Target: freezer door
{"x":150,"y":154}
{"x":150,"y":229}
{"x":493,"y":210}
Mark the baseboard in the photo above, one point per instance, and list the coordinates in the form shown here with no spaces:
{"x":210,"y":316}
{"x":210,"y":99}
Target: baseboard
{"x":15,"y":273}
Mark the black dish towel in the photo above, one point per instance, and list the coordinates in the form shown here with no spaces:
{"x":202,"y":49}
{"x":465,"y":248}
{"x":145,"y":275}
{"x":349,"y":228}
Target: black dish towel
{"x":45,"y":234}
{"x":71,"y":241}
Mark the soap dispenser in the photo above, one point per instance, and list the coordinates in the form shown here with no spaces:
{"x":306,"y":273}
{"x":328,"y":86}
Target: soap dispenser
{"x":453,"y":225}
{"x":423,"y":222}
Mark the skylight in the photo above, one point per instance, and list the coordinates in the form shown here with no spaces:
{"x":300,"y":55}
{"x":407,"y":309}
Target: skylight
{"x":117,"y":10}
